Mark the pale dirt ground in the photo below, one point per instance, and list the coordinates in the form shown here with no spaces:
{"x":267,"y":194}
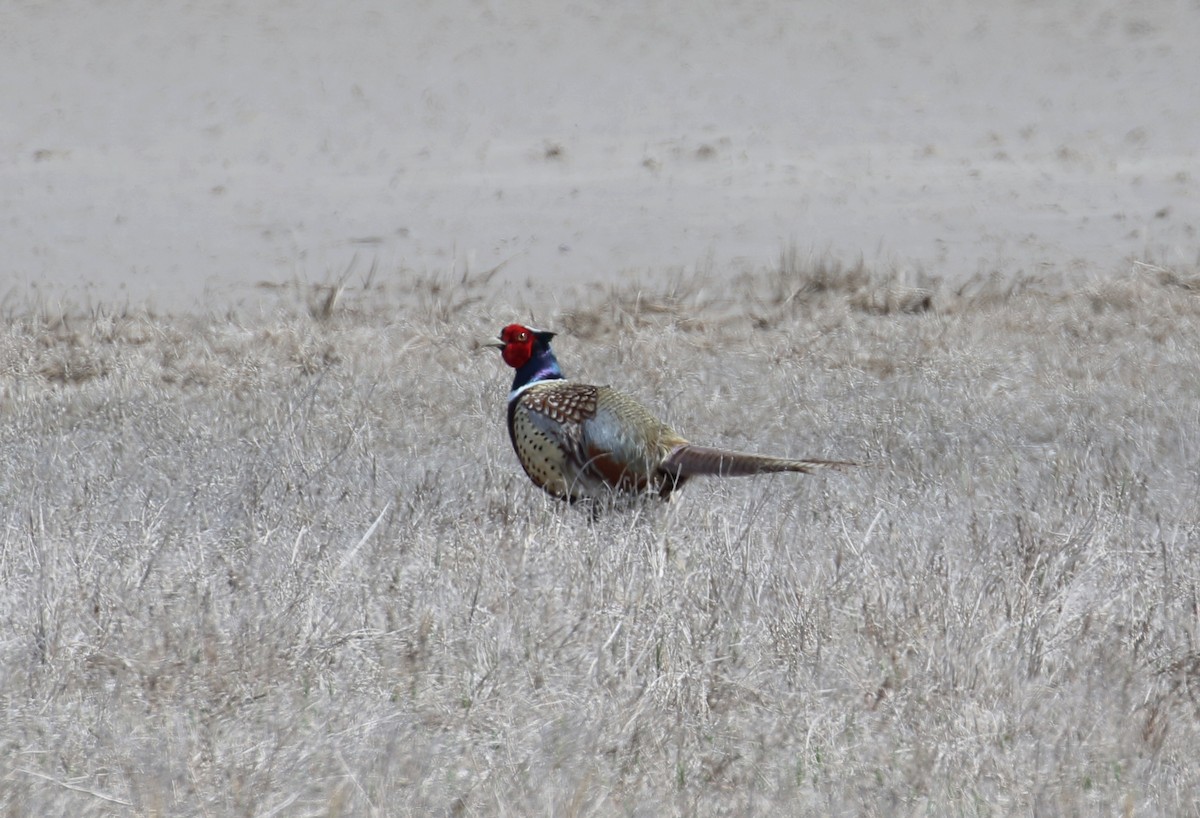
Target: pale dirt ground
{"x":166,"y":151}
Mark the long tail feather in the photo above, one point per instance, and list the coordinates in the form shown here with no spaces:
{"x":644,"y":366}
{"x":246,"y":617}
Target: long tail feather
{"x":690,"y":461}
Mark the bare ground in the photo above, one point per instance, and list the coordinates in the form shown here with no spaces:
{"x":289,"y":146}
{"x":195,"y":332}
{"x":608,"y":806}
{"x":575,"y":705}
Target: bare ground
{"x":288,"y":565}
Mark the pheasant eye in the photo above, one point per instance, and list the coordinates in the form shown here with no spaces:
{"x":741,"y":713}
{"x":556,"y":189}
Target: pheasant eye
{"x":522,"y":337}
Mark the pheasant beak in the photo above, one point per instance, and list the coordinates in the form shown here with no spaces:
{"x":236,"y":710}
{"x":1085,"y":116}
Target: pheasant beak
{"x":490,"y":343}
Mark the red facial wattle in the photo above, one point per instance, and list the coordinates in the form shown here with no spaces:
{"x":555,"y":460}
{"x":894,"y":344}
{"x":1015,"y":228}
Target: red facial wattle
{"x":518,"y":345}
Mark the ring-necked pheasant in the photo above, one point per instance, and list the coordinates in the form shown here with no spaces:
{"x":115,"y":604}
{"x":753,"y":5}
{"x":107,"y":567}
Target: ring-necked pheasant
{"x":586,"y":442}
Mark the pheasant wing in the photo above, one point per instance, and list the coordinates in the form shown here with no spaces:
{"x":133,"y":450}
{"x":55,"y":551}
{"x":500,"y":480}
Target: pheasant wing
{"x":560,"y":410}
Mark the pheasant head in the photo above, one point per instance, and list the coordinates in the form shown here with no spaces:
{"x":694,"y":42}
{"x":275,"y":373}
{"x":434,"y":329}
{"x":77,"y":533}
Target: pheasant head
{"x":527,"y":350}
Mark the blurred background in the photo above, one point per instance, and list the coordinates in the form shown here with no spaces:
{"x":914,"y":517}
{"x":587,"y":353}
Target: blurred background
{"x":194,"y":153}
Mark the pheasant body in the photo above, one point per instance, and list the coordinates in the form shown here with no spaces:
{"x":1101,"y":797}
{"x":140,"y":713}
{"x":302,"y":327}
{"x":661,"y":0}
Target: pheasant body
{"x":578,"y":441}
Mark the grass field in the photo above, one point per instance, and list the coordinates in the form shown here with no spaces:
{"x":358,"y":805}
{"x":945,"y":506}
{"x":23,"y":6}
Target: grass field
{"x":288,"y":565}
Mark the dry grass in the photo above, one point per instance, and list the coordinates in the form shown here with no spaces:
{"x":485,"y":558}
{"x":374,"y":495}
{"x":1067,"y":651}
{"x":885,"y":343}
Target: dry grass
{"x":290,"y":566}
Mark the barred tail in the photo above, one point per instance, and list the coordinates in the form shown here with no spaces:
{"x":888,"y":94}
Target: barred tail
{"x":690,"y":461}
